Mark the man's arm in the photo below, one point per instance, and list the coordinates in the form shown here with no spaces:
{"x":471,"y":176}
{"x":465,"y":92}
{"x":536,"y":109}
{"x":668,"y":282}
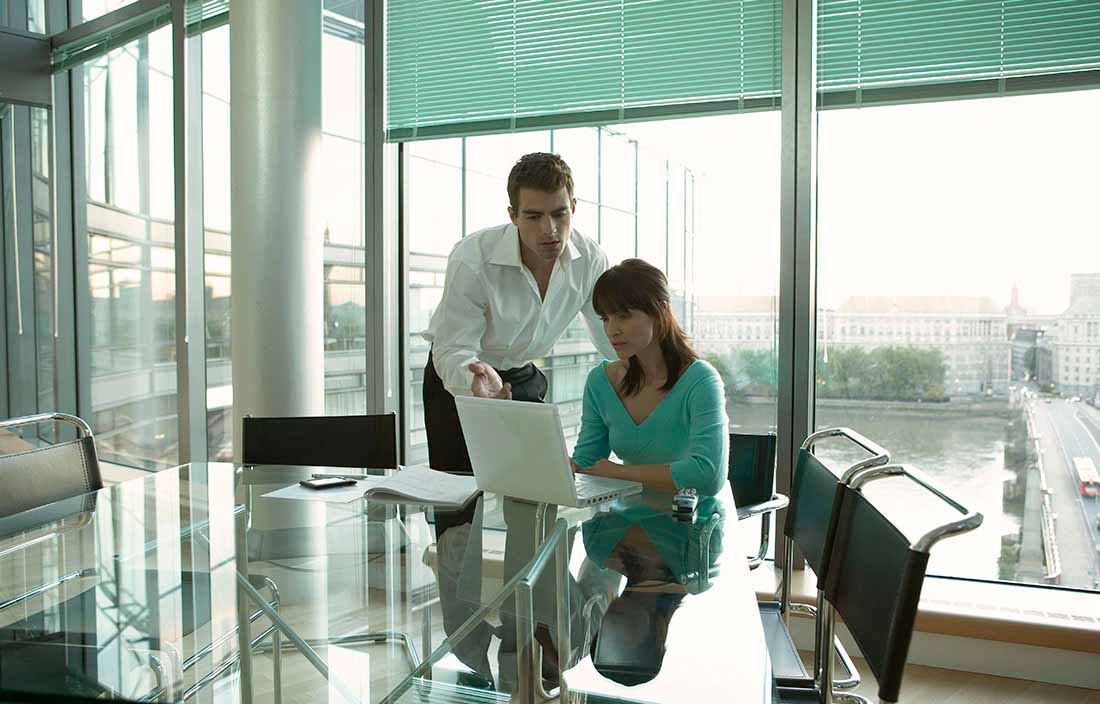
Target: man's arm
{"x":459,"y":326}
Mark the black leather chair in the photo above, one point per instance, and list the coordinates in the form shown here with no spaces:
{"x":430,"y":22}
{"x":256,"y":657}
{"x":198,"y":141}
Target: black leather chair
{"x":331,"y":441}
{"x":752,"y":479}
{"x":42,"y":475}
{"x":352,"y":442}
{"x":809,"y":525}
{"x":363,"y":441}
{"x":874,"y":581}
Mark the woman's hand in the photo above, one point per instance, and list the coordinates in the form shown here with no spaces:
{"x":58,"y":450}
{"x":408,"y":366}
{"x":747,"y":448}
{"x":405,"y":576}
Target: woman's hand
{"x":605,"y":468}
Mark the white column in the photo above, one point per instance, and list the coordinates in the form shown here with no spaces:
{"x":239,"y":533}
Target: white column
{"x":277,"y":235}
{"x":277,"y":249}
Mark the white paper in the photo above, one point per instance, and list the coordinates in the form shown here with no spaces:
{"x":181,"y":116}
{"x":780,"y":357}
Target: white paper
{"x":339,"y":495}
{"x":423,"y":485}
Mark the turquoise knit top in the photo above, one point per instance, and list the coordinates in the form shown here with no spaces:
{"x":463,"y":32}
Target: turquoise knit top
{"x":688,"y":430}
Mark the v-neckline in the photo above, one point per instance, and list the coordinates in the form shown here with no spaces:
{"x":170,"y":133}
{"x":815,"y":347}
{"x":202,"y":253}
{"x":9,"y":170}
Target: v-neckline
{"x":637,"y":425}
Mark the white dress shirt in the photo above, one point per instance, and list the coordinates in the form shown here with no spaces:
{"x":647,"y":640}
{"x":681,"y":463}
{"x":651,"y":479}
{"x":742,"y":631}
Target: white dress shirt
{"x":491,"y":310}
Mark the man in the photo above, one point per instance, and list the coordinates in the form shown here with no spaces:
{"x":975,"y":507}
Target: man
{"x":510,"y":293}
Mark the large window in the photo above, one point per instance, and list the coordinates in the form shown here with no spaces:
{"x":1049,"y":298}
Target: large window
{"x":45,"y":264}
{"x":344,"y":222}
{"x":217,"y":244}
{"x":636,"y":200}
{"x":958,"y":315}
{"x":128,"y":177}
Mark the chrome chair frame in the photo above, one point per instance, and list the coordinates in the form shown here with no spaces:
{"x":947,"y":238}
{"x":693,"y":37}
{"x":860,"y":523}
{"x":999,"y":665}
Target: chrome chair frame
{"x":92,"y":480}
{"x":879,"y":456}
{"x":83,"y":518}
{"x":83,"y":429}
{"x":855,"y":478}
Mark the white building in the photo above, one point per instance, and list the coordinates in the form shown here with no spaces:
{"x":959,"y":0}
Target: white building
{"x":1076,"y":342}
{"x":970,"y":331}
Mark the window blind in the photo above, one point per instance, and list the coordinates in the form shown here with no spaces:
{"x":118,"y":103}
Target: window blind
{"x":901,"y":49}
{"x":458,"y":67}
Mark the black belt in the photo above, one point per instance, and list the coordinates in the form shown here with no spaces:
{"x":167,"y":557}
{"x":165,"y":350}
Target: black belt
{"x":518,"y":375}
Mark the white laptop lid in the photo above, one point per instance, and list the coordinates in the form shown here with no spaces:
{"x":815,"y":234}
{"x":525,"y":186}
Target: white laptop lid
{"x":517,"y":449}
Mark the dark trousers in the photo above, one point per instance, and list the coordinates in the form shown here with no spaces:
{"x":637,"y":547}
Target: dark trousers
{"x":446,"y":445}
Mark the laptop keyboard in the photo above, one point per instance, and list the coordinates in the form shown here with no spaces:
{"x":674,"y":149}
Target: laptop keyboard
{"x":589,"y":487}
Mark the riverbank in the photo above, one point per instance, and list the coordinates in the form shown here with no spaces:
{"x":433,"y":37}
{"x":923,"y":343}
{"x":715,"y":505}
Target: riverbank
{"x":978,"y":407}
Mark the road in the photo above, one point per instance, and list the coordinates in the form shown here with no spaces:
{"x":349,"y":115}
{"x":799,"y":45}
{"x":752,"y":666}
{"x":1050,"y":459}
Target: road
{"x":1063,"y":437}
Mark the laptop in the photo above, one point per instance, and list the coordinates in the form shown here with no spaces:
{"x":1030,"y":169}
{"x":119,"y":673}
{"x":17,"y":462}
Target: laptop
{"x":517,"y":449}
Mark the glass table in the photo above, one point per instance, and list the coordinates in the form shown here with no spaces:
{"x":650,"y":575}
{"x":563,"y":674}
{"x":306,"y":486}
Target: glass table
{"x":138,"y":592}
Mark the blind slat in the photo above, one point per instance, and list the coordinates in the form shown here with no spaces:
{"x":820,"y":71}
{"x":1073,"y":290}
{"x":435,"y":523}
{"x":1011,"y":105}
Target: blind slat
{"x":454,"y":65}
{"x":465,"y":66}
{"x":865,"y":44}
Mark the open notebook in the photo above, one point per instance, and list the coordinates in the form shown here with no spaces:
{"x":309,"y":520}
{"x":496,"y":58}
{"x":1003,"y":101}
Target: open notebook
{"x":417,"y":484}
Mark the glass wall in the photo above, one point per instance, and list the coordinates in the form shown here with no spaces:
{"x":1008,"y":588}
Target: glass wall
{"x":345,"y":230}
{"x":45,"y":352}
{"x":634,"y":199}
{"x":216,"y":242}
{"x":959,"y":316}
{"x":128,"y":215}
{"x":343,"y":192}
{"x":90,"y":9}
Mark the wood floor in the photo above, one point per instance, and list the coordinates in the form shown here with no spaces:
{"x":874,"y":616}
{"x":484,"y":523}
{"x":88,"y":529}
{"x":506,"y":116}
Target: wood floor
{"x":932,"y":685}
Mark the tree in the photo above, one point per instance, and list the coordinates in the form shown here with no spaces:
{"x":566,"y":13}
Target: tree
{"x":884,"y":373}
{"x":722,"y":366}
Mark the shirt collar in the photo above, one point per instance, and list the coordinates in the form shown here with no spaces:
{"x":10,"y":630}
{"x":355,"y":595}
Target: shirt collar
{"x":506,"y":251}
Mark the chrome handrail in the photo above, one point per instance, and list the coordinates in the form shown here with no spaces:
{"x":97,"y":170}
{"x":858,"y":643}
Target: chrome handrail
{"x":82,"y":426}
{"x":879,"y":454}
{"x":969,"y":521}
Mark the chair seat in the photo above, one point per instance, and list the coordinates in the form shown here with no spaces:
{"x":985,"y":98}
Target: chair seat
{"x":787,"y":667}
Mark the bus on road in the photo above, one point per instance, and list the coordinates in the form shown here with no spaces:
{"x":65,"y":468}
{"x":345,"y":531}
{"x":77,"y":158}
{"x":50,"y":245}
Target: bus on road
{"x":1087,"y":475}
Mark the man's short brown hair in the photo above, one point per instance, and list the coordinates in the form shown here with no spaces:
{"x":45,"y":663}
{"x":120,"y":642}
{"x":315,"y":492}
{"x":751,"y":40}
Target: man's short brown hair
{"x":544,"y":172}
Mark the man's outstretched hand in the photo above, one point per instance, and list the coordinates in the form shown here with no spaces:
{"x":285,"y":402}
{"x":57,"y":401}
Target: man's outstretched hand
{"x":487,"y":383}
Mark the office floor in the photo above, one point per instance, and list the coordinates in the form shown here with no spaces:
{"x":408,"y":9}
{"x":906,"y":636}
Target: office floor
{"x":923,"y":685}
{"x":932,"y":685}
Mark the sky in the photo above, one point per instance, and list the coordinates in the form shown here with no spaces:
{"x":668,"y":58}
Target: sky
{"x":951,"y":198}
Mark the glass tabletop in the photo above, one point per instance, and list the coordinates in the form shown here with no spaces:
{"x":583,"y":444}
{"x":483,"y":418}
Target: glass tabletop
{"x":137,"y":591}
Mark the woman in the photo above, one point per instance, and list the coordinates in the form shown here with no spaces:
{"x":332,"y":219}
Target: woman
{"x":659,"y":407}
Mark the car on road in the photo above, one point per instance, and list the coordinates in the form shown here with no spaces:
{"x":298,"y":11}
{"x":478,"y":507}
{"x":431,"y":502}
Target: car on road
{"x":1046,"y":400}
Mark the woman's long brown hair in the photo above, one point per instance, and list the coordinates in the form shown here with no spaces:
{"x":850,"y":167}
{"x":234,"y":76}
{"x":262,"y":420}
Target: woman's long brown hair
{"x":638,"y":285}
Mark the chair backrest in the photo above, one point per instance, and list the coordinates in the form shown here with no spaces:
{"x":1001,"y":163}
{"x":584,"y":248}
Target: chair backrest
{"x":752,"y":468}
{"x":874,"y":582}
{"x":42,"y":475}
{"x":810,"y":513}
{"x":332,"y":441}
{"x":875,"y":574}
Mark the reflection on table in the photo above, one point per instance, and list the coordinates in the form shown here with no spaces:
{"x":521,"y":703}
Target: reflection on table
{"x":139,"y":590}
